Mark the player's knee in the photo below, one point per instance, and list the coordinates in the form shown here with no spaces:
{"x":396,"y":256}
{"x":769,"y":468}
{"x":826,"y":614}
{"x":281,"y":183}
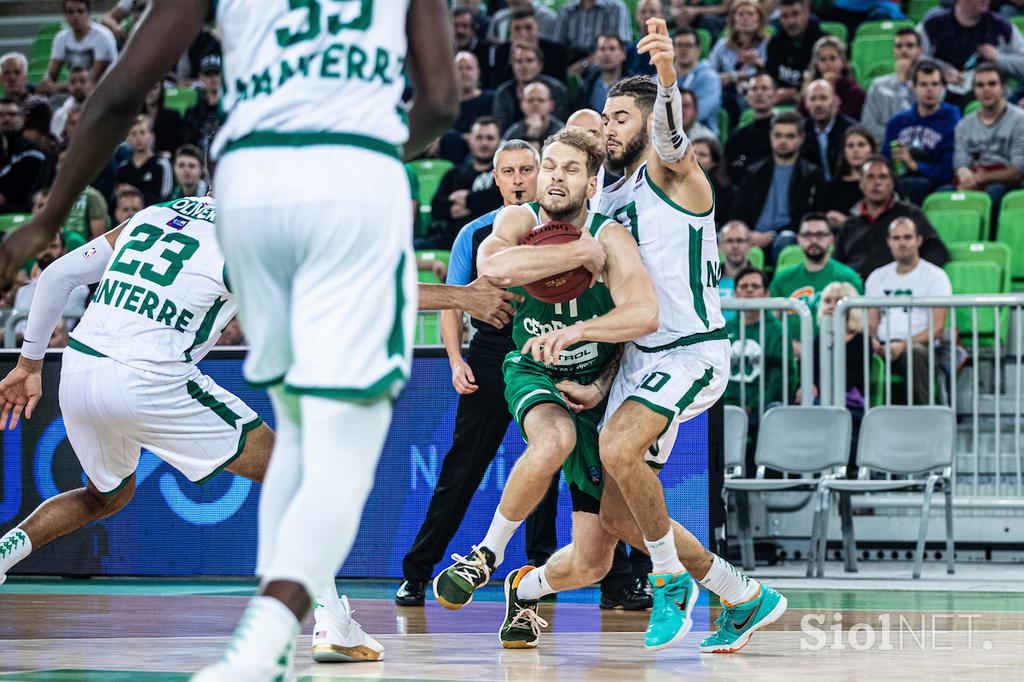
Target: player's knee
{"x":613,"y":522}
{"x":553,"y":445}
{"x":617,"y":453}
{"x":107,"y":504}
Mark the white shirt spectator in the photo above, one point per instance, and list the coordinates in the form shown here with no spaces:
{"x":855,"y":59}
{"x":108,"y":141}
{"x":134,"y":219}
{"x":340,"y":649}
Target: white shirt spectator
{"x":23,"y":301}
{"x":97,"y":45}
{"x":923,"y":281}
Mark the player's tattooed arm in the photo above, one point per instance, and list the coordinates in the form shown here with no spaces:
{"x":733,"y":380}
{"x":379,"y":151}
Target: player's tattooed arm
{"x":431,"y":68}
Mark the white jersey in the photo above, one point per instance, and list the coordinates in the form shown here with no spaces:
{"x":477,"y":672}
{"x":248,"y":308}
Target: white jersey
{"x":680,"y":252}
{"x":312,"y":72}
{"x":163,"y":300}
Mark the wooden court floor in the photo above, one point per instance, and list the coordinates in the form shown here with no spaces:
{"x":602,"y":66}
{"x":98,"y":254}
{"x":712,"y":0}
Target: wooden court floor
{"x":151,"y":630}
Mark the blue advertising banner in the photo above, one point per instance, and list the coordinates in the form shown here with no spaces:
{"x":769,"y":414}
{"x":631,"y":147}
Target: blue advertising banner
{"x":176,"y":528}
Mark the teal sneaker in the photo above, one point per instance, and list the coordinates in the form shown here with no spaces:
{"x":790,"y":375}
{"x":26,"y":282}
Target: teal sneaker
{"x":454,"y":586}
{"x":674,"y":598}
{"x":739,"y":621}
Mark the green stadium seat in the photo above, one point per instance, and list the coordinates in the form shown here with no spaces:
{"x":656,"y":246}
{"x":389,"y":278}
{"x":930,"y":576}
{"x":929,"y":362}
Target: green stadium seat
{"x":886,"y":29}
{"x":1018,"y":21}
{"x":1011,"y":233}
{"x":836,"y":29}
{"x":1014,"y":199}
{"x":972,"y":107}
{"x":49,"y":30}
{"x":976,"y":202}
{"x":428,"y":328}
{"x":870,"y":50}
{"x":756,"y":257}
{"x":723,"y":127}
{"x":789,"y":256}
{"x":747,"y":115}
{"x":879,"y":69}
{"x":12,"y":221}
{"x":987,"y":252}
{"x":180,"y":99}
{"x":426,"y":276}
{"x":918,"y":8}
{"x":429,"y":173}
{"x":704,"y":36}
{"x":956,"y":226}
{"x":977,"y":277}
{"x":876,"y":380}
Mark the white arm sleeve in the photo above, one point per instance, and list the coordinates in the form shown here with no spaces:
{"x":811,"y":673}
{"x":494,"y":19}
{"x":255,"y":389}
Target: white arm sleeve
{"x":669,"y":139}
{"x":83,"y":266}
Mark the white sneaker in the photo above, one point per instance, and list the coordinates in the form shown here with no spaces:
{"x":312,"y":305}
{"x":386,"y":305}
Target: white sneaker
{"x":342,"y":640}
{"x":230,"y":669}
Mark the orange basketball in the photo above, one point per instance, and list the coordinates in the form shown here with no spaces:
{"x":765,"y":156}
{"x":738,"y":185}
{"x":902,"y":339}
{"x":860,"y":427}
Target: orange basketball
{"x":564,"y":286}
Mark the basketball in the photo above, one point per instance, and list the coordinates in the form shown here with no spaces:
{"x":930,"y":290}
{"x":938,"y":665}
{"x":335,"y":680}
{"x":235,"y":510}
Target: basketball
{"x":564,"y":286}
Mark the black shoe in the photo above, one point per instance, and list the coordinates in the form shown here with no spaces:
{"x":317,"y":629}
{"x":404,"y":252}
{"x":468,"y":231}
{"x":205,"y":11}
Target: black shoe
{"x":639,"y":596}
{"x":411,"y":593}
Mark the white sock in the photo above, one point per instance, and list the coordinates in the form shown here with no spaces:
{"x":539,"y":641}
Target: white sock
{"x":266,"y":630}
{"x":14,"y":547}
{"x":498,"y":535}
{"x":728,"y":583}
{"x":663,"y":554}
{"x":330,"y":600}
{"x":534,"y":584}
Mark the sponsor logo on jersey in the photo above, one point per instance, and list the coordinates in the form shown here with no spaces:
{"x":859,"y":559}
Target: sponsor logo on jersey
{"x":177,"y":222}
{"x":594,"y":474}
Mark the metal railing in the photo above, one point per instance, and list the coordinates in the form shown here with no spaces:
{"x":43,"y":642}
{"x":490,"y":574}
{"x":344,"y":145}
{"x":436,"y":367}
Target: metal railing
{"x":12,"y":319}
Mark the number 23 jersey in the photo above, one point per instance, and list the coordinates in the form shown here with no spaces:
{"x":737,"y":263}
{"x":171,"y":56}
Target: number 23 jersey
{"x":163,"y":299}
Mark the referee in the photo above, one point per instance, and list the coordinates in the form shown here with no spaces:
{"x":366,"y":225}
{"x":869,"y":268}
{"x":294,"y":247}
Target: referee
{"x":482,"y":417}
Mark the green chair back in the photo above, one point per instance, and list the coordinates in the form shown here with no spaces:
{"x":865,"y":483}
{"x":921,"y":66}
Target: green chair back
{"x":12,"y":221}
{"x":836,"y":29}
{"x":428,"y":328}
{"x":1011,"y":233}
{"x":918,"y":8}
{"x":180,"y":99}
{"x":870,"y":50}
{"x":756,"y":257}
{"x":1018,"y":21}
{"x":977,"y":277}
{"x":704,"y":36}
{"x":885,"y":29}
{"x":987,"y":252}
{"x":789,"y":256}
{"x":1014,"y":199}
{"x":956,"y":226}
{"x":883,"y":68}
{"x":723,"y":127}
{"x":977,"y":202}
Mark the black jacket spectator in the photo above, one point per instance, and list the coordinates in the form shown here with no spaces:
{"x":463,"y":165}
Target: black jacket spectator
{"x":811,"y":150}
{"x":554,"y":61}
{"x":788,"y":58}
{"x":453,"y":146}
{"x":201,"y":122}
{"x":752,"y":194}
{"x":945,"y":39}
{"x":483,"y":197}
{"x":21,"y":164}
{"x":154,"y":178}
{"x":747,"y":146}
{"x":506,"y":101}
{"x":862,"y":240}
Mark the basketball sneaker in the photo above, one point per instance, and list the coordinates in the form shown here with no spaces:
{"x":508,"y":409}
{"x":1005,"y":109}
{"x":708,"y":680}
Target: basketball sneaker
{"x":454,"y":586}
{"x":410,"y":593}
{"x":739,"y":621}
{"x":674,"y":597}
{"x":342,"y":640}
{"x":521,"y":629}
{"x":234,"y":667}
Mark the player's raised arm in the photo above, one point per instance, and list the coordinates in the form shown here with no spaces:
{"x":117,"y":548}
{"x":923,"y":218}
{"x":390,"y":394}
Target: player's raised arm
{"x":501,"y":255}
{"x":166,"y":31}
{"x":431,"y":68}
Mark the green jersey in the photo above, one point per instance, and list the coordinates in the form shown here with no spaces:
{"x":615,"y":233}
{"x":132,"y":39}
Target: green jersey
{"x":797,"y":282}
{"x":583,"y":361}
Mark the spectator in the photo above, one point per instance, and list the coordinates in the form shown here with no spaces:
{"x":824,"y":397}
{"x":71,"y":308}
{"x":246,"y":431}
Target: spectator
{"x":824,"y":127}
{"x":203,"y":119}
{"x":828,"y":62}
{"x":538,"y":123}
{"x":640,"y":64}
{"x":920,"y":140}
{"x":21,"y":161}
{"x":525,"y":29}
{"x":188,"y":173}
{"x":89,"y":216}
{"x":38,"y":114}
{"x":467,"y":40}
{"x":709,"y":155}
{"x":527,"y":64}
{"x":752,"y":143}
{"x":966,"y":35}
{"x":580,"y":22}
{"x":843,"y":191}
{"x":80,"y":86}
{"x":590,"y":122}
{"x":696,"y":74}
{"x":84,"y":44}
{"x":122,"y":17}
{"x":989,"y":151}
{"x":746,"y":378}
{"x":206,"y":43}
{"x":694,"y":129}
{"x":856,"y":400}
{"x":473,"y":103}
{"x":734,"y":239}
{"x":704,"y":14}
{"x":150,"y":174}
{"x":789,"y":51}
{"x":127,"y":202}
{"x":775,"y":192}
{"x":468,"y":191}
{"x":740,"y":54}
{"x":14,"y":76}
{"x":907,"y":275}
{"x":23,"y":300}
{"x":499,"y":30}
{"x":606,"y":71}
{"x":807,"y":280}
{"x":168,"y":126}
{"x":852,"y":13}
{"x":892,"y":93}
{"x":862,"y":243}
{"x":231,"y":335}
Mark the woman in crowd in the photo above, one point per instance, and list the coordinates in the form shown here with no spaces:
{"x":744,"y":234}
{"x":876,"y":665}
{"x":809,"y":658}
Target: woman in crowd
{"x":740,"y":52}
{"x":843,"y":191}
{"x":709,"y":155}
{"x":828,"y":61}
{"x":167,"y":125}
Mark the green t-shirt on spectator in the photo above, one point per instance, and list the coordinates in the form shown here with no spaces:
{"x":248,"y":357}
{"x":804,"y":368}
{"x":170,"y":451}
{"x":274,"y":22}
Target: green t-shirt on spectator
{"x":89,"y":206}
{"x":752,"y":349}
{"x":796,"y":282}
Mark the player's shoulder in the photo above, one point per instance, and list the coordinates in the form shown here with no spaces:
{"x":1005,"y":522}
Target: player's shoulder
{"x":515,"y":218}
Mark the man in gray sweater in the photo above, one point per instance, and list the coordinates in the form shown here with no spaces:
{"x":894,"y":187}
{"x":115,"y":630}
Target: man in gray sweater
{"x":989,"y":149}
{"x":892,"y":93}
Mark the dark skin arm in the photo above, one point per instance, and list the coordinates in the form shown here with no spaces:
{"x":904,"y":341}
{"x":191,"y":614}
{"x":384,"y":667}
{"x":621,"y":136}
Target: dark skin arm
{"x":166,"y":31}
{"x":430,"y":64}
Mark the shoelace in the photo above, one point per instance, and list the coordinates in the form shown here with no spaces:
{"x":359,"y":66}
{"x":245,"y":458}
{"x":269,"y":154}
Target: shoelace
{"x":470,"y":570}
{"x":528,"y":618}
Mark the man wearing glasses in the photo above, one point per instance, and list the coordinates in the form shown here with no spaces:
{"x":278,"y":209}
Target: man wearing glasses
{"x":697,"y":76}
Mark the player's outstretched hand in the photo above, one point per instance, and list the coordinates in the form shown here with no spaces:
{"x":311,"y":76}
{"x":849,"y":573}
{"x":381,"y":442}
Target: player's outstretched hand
{"x":658,"y":44}
{"x":486,"y":301}
{"x":20,"y":245}
{"x":547,"y":348}
{"x":580,"y":396}
{"x":20,"y":390}
{"x":463,"y":379}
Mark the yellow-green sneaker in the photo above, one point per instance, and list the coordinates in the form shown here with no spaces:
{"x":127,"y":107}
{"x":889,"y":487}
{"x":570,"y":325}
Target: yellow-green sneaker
{"x":673,"y":600}
{"x":454,"y":586}
{"x":739,"y":621}
{"x":521,"y":629}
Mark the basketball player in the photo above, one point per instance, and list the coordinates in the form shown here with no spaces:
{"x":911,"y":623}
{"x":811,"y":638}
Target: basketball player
{"x":680,"y":370}
{"x":318,"y":247}
{"x":129,"y":380}
{"x":618,"y":307}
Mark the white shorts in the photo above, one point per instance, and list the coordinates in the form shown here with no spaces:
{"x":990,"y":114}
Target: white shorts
{"x":318,"y":243}
{"x":678,"y":383}
{"x":112,"y":411}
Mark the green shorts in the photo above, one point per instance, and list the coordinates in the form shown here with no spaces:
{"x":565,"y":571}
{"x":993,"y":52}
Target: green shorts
{"x":528,"y":384}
